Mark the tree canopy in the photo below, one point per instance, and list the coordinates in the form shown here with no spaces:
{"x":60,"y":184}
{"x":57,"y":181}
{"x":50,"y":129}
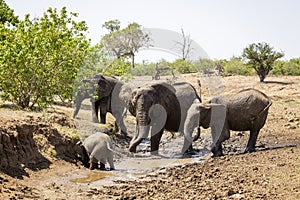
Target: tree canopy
{"x":39,"y":58}
{"x":7,"y":15}
{"x":124,"y":42}
{"x":261,"y":57}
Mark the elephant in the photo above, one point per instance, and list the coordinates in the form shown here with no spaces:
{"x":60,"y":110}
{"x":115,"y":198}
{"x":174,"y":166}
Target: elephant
{"x":97,"y":147}
{"x":243,"y":111}
{"x":160,"y":105}
{"x":112,"y":96}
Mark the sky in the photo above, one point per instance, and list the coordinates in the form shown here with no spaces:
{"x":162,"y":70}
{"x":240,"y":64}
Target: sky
{"x":222,"y":28}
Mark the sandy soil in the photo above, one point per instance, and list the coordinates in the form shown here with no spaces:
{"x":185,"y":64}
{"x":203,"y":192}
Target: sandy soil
{"x":273,"y":172}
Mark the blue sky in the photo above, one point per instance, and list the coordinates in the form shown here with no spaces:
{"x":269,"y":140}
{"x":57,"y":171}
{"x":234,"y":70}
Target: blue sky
{"x":223,"y":28}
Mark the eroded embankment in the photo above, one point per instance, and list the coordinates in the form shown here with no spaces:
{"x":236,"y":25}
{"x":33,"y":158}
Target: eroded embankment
{"x":32,"y":143}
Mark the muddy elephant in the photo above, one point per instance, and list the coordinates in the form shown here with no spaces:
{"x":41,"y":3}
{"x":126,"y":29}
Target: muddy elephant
{"x":243,"y":111}
{"x":159,"y":106}
{"x":107,"y":94}
{"x":97,"y":148}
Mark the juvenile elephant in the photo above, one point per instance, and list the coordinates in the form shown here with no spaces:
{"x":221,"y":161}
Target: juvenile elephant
{"x":160,"y":106}
{"x":245,"y":110}
{"x":112,"y":96}
{"x":96,"y":148}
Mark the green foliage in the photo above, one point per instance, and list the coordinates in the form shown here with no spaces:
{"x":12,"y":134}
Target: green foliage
{"x":291,"y":67}
{"x":183,"y":66}
{"x":112,"y":25}
{"x":143,"y":70}
{"x":261,"y":57}
{"x":117,"y":67}
{"x":124,"y":42}
{"x":235,"y":66}
{"x":7,"y":15}
{"x":40,"y":58}
{"x":204,"y":64}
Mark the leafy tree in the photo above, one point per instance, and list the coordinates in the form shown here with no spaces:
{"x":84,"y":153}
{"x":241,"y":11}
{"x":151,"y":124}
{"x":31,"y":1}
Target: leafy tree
{"x":126,"y":42}
{"x":40,"y":58}
{"x":7,"y":14}
{"x":204,"y":64}
{"x":183,"y":66}
{"x":291,"y":67}
{"x":235,"y":66}
{"x":112,"y":25}
{"x":262,"y":58}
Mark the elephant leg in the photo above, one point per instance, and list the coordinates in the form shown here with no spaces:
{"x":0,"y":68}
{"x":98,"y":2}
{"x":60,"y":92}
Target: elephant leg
{"x":103,"y":116}
{"x":155,"y":140}
{"x":252,"y":141}
{"x":191,"y":122}
{"x":111,"y":162}
{"x":93,"y":163}
{"x":217,"y":147}
{"x":102,"y":164}
{"x":102,"y":104}
{"x":95,"y":110}
{"x":120,"y":123}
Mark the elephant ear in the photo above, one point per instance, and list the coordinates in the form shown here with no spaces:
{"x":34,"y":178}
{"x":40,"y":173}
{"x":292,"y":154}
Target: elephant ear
{"x":104,"y":87}
{"x":132,"y":103}
{"x":212,"y":114}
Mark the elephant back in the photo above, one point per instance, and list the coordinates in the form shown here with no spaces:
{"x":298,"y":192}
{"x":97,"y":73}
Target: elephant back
{"x":249,"y":106}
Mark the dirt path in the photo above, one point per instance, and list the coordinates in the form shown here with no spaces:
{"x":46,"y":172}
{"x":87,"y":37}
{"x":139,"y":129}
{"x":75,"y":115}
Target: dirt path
{"x":271,"y":173}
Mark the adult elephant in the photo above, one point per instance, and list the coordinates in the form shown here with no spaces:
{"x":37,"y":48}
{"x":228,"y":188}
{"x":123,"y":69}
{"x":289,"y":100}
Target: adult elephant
{"x":243,"y":111}
{"x":107,"y":94}
{"x":160,"y":106}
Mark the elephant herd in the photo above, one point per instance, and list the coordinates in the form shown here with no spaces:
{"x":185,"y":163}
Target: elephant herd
{"x":159,"y":106}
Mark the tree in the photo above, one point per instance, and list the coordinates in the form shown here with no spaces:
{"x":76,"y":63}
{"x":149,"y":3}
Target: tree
{"x":7,"y":14}
{"x":40,"y":58}
{"x":185,"y":45}
{"x":112,"y":25}
{"x":126,"y":42}
{"x":261,"y":57}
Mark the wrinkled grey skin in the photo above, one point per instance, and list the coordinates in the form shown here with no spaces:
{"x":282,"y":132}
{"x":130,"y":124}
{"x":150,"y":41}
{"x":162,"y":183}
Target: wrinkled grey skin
{"x":158,"y":106}
{"x":246,"y":110}
{"x":112,"y":96}
{"x":99,"y":148}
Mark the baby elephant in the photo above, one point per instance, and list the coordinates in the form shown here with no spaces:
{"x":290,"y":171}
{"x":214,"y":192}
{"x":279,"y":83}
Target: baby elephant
{"x":246,"y":110}
{"x":98,"y":147}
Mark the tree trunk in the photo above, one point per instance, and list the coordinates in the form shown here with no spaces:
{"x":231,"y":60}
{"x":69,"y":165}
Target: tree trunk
{"x":262,"y":77}
{"x":132,"y":60}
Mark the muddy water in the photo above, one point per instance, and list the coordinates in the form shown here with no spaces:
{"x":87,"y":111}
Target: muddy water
{"x":130,"y":166}
{"x":134,"y":165}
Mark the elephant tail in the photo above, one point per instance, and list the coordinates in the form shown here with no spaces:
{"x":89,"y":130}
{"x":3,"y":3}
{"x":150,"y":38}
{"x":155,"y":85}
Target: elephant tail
{"x":261,"y":112}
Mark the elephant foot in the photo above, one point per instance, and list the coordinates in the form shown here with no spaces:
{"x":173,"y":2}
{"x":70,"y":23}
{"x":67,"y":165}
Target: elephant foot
{"x":102,"y":166}
{"x":217,"y":154}
{"x":190,"y":151}
{"x":93,"y":166}
{"x":154,"y":153}
{"x":249,"y":150}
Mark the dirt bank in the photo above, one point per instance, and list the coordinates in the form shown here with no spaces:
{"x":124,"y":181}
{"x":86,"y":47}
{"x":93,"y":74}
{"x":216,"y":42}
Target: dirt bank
{"x":273,"y":172}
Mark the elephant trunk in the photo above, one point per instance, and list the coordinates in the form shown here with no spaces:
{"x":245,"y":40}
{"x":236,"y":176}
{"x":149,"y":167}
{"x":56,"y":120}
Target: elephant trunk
{"x":143,"y":124}
{"x":81,"y":95}
{"x":142,"y":133}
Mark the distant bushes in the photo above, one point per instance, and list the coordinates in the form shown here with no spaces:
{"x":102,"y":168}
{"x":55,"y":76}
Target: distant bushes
{"x":291,"y":67}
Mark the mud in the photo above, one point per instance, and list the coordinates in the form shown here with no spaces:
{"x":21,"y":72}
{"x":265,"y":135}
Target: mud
{"x":273,"y":172}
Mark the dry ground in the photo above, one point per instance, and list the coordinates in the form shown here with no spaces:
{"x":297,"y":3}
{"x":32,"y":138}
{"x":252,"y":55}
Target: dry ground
{"x":273,"y":172}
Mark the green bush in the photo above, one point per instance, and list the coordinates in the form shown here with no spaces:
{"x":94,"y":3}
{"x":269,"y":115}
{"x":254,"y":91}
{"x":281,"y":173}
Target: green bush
{"x":236,"y":66}
{"x":143,"y":70}
{"x":204,"y":64}
{"x":40,"y":58}
{"x":183,"y":66}
{"x":291,"y":67}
